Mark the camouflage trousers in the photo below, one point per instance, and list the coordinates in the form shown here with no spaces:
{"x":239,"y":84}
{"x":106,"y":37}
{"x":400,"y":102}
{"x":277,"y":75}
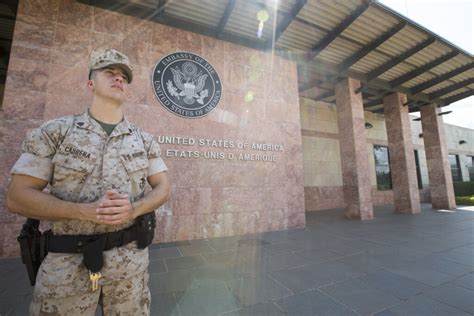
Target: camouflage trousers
{"x":63,"y":285}
{"x":125,"y":297}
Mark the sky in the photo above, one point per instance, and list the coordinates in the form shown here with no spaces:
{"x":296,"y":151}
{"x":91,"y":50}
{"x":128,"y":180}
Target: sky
{"x":453,"y":20}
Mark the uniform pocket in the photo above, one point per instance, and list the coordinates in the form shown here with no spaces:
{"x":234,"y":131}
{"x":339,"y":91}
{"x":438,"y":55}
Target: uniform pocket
{"x":136,"y":165}
{"x":70,"y":162}
{"x":70,"y":175}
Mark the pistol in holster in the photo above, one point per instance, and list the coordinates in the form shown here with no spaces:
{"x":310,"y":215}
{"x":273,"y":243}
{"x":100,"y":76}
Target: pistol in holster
{"x":145,"y":224}
{"x":33,"y":247}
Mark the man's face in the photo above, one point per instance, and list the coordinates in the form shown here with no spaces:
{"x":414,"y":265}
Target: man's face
{"x":111,"y":83}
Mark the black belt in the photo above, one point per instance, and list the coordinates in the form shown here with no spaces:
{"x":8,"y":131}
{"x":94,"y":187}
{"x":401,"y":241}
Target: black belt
{"x":76,"y":243}
{"x":91,"y":246}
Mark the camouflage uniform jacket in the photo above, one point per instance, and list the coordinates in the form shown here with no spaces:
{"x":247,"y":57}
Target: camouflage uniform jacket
{"x":80,"y":161}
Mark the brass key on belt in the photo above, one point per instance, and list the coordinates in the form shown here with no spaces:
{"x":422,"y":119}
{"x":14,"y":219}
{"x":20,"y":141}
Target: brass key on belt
{"x":95,"y":277}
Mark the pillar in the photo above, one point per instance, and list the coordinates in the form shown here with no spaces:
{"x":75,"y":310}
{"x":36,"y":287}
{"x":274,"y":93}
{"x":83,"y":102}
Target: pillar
{"x":439,"y":171}
{"x":353,"y":149}
{"x":406,"y":196}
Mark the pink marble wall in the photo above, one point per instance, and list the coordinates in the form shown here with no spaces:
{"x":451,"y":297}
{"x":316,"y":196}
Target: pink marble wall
{"x":353,"y":150}
{"x":402,"y":161}
{"x":211,"y":198}
{"x":323,"y":198}
{"x":439,"y":171}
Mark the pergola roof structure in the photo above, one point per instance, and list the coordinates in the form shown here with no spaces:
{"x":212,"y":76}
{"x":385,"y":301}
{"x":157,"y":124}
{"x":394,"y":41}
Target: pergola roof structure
{"x":330,"y":39}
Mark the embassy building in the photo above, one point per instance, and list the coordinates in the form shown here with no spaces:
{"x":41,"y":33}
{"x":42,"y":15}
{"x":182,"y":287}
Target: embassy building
{"x":264,"y":110}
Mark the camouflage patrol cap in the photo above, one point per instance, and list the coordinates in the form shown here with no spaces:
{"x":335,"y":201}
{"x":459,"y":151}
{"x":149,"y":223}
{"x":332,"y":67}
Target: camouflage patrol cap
{"x":99,"y":59}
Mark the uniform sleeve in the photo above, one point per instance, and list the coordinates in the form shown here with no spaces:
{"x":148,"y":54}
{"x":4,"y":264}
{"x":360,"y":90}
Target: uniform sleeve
{"x":37,"y":151}
{"x":156,"y":163}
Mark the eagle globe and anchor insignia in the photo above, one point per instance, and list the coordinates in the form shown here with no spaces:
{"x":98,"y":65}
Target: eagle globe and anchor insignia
{"x":186,"y":84}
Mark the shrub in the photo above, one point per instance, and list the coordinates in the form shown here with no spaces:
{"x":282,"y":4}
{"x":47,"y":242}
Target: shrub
{"x":465,"y":200}
{"x":463,"y":188}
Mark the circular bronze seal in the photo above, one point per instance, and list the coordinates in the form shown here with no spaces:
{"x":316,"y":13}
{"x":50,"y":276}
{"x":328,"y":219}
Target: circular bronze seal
{"x":186,"y":84}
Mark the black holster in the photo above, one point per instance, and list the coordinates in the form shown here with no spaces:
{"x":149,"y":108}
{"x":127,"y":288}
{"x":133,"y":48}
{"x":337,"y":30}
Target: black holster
{"x":33,"y":247}
{"x":145,"y":229}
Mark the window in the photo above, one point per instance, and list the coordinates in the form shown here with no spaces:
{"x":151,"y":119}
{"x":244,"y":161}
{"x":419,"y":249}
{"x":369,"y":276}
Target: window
{"x":418,"y":172}
{"x":455,"y":168}
{"x":470,"y":167}
{"x":382,"y":168}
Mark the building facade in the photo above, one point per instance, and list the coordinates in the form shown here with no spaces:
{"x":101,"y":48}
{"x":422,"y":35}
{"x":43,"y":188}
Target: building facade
{"x":247,"y":176}
{"x":268,"y":152}
{"x":322,"y":160}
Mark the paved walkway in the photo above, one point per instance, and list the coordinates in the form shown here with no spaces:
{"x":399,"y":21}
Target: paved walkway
{"x":393,"y":265}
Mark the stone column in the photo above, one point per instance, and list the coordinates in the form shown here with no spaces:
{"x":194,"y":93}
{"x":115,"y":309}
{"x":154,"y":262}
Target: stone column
{"x":353,"y":149}
{"x":402,"y":157}
{"x":439,"y":171}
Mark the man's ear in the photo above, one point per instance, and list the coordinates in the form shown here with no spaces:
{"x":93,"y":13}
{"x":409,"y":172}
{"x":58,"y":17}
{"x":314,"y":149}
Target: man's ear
{"x":90,"y":84}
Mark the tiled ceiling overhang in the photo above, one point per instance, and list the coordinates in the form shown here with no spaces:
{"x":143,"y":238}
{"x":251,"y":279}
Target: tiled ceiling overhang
{"x":330,"y":40}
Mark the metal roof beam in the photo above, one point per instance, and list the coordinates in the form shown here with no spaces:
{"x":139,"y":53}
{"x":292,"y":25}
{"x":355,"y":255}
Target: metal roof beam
{"x":457,"y":97}
{"x":430,"y":83}
{"x":395,"y":61}
{"x":418,"y":71}
{"x":309,"y":85}
{"x":335,"y":32}
{"x":287,"y":19}
{"x":373,"y":103}
{"x":225,"y":17}
{"x":132,"y":9}
{"x":417,"y":108}
{"x":371,"y":91}
{"x":156,"y":15}
{"x":361,"y":53}
{"x":419,"y":100}
{"x":451,"y":88}
{"x":410,"y":103}
{"x":161,"y":8}
{"x":349,"y":72}
{"x":385,"y":86}
{"x":376,"y":84}
{"x":325,"y":95}
{"x":208,"y":31}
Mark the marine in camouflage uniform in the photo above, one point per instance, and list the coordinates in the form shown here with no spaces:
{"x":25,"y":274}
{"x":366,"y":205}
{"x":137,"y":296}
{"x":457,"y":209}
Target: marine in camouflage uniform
{"x":100,"y":177}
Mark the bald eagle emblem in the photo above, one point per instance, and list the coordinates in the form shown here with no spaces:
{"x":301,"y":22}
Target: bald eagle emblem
{"x":189,"y":84}
{"x":186,"y":84}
